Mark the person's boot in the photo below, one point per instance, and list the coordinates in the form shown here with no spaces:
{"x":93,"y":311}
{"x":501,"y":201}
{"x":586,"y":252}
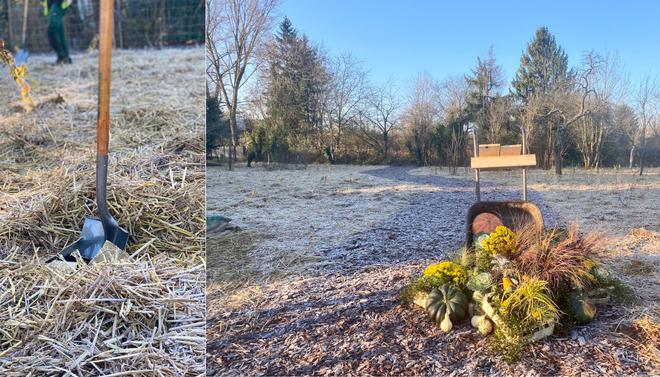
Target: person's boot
{"x":67,"y":60}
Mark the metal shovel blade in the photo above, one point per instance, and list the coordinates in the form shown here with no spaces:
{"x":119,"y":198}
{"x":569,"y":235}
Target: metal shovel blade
{"x":93,"y":237}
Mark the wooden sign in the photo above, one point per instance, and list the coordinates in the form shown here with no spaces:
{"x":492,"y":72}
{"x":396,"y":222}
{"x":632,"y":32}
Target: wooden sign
{"x":502,"y":162}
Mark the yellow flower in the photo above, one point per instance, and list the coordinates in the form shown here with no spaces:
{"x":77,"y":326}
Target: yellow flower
{"x":20,"y":76}
{"x":537,"y":315}
{"x":447,"y":270}
{"x":502,"y":241}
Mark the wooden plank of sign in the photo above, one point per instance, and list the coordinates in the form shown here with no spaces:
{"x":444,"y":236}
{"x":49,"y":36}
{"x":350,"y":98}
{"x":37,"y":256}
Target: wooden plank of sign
{"x":488,"y":150}
{"x":511,"y":150}
{"x":502,"y":162}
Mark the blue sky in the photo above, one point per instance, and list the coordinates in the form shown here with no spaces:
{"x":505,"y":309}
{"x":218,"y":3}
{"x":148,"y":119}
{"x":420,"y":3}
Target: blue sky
{"x":400,"y":38}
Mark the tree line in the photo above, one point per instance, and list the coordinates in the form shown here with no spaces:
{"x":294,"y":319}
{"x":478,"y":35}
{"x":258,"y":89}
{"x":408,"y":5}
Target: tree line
{"x":278,"y":96}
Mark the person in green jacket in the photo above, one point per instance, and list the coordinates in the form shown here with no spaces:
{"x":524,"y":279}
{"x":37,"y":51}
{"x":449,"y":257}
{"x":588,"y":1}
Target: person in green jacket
{"x":55,"y":10}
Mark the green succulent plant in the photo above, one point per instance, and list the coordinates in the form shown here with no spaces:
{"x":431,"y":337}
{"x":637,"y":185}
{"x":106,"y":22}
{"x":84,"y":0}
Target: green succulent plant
{"x":481,"y":282}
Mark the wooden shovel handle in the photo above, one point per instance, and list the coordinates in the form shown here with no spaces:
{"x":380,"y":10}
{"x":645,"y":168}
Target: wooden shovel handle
{"x":105,"y":55}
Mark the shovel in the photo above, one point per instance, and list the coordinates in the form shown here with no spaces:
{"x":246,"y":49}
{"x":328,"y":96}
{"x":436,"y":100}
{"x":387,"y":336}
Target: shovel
{"x":96,"y":232}
{"x":22,"y":55}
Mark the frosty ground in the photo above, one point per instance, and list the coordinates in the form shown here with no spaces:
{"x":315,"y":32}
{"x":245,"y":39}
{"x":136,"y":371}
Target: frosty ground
{"x":309,"y":283}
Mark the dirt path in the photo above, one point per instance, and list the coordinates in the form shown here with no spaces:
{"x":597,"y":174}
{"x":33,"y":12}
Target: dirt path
{"x":346,"y":319}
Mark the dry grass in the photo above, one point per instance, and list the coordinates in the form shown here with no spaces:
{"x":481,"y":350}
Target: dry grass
{"x":288,"y":216}
{"x":157,"y":199}
{"x":136,"y":318}
{"x":635,"y":259}
{"x":231,"y":261}
{"x":648,"y":345}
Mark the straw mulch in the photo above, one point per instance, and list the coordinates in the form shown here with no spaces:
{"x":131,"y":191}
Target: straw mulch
{"x":124,"y":317}
{"x":158,"y":199}
{"x":144,"y":317}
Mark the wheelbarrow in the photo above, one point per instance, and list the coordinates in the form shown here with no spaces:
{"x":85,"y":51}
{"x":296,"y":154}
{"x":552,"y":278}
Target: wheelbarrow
{"x":482,"y":217}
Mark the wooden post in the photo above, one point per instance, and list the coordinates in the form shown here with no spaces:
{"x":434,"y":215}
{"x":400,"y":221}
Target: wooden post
{"x":476,"y":171}
{"x":161,"y":34}
{"x":105,"y":57}
{"x":524,"y":171}
{"x":25,"y":25}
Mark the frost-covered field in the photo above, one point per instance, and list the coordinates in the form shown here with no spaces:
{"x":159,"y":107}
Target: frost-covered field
{"x":611,"y":200}
{"x":288,"y":217}
{"x":294,"y":219}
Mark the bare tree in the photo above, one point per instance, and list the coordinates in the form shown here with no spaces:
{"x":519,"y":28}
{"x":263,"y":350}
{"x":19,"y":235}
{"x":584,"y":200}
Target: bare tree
{"x":499,"y":116}
{"x":214,"y":56}
{"x":607,"y":91}
{"x":567,"y":103}
{"x":421,"y":116}
{"x":628,"y":126}
{"x":382,"y":115}
{"x":646,"y":98}
{"x":235,"y":30}
{"x":347,"y":91}
{"x":453,"y":96}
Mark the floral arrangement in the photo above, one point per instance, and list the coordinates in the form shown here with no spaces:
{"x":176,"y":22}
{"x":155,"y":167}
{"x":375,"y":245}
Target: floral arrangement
{"x":517,"y":285}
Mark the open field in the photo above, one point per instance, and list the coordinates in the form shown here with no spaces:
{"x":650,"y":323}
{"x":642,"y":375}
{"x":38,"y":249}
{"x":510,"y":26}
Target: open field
{"x":146,"y":316}
{"x":311,"y":281}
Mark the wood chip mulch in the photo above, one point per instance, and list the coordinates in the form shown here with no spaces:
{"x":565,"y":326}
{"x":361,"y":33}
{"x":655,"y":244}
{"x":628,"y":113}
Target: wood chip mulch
{"x":355,"y":325}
